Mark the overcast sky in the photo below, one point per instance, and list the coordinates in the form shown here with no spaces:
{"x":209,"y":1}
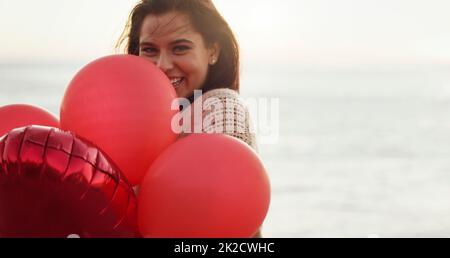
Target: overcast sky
{"x":291,"y":31}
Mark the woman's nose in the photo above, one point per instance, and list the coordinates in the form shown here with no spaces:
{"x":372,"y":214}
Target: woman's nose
{"x":164,"y":62}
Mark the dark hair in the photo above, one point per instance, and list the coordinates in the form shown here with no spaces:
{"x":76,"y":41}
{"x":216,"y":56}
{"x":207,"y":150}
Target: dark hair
{"x":207,"y":21}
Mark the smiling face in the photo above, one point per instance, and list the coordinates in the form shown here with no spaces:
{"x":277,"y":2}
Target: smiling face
{"x":171,"y":43}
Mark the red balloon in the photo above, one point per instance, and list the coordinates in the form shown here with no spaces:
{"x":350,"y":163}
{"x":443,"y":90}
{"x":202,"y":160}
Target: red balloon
{"x":15,"y":116}
{"x":122,"y":104}
{"x":53,"y":184}
{"x":204,"y":186}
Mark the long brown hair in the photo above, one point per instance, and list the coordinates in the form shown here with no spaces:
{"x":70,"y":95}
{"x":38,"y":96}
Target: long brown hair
{"x":207,"y":21}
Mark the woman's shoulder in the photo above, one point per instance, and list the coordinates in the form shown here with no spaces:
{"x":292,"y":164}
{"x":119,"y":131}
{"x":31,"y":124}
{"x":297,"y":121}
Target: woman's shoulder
{"x":224,"y":111}
{"x":225,"y":99}
{"x":221,"y":94}
{"x":224,"y":102}
{"x":228,"y":114}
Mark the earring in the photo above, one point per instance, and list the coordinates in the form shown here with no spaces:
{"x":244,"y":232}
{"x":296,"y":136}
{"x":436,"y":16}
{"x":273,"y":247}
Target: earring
{"x":214,"y":61}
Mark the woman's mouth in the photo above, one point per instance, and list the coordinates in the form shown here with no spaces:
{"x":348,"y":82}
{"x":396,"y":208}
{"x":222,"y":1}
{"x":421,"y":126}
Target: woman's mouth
{"x":177,"y":82}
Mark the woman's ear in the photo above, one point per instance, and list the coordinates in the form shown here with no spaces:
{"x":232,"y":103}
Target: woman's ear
{"x":214,"y":53}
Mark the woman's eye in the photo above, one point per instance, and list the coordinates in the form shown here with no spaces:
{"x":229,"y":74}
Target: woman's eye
{"x":149,"y":50}
{"x":180,"y":49}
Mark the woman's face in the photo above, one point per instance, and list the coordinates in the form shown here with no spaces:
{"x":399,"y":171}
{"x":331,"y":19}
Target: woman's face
{"x":172,"y":44}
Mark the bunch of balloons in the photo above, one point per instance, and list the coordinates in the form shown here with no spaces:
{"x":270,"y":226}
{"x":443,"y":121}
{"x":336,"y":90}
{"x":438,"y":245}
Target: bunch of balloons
{"x":76,"y":176}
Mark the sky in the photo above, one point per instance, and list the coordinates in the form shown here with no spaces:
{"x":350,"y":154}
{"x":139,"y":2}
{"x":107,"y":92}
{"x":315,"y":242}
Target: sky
{"x":343,"y":32}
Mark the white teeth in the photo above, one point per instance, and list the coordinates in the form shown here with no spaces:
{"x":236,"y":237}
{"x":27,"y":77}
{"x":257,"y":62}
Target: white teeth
{"x":176,"y":81}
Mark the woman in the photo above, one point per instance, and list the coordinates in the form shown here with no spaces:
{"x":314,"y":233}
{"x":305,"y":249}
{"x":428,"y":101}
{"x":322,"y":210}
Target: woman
{"x":194,"y":46}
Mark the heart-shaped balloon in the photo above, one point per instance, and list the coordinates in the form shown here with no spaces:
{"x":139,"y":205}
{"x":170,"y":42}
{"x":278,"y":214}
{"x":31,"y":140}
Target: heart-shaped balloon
{"x":53,"y":184}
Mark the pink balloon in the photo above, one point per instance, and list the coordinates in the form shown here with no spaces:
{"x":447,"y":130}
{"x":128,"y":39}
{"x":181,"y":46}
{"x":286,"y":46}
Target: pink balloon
{"x":122,"y":104}
{"x":14,"y":116}
{"x":204,"y":186}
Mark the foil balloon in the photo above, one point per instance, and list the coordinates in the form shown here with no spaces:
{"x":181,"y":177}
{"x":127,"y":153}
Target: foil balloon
{"x":54,"y":184}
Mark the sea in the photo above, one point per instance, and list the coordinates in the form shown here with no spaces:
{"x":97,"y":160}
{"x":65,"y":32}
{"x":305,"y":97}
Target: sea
{"x":362,"y":150}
